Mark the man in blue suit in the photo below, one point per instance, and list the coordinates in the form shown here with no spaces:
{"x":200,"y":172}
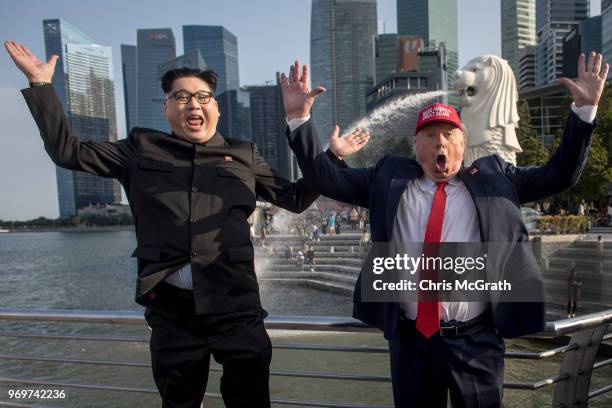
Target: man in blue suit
{"x":438,"y":348}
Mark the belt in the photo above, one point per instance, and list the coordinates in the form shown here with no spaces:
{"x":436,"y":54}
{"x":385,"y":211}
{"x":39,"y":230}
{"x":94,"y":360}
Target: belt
{"x":453,"y":327}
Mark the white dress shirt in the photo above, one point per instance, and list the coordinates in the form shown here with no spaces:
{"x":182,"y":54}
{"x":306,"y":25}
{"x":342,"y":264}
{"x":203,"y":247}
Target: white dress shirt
{"x":460,"y":225}
{"x":182,"y":277}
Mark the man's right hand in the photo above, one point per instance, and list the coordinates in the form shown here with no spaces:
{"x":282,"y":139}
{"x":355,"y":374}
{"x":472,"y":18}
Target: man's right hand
{"x":297,"y":97}
{"x":33,"y":68}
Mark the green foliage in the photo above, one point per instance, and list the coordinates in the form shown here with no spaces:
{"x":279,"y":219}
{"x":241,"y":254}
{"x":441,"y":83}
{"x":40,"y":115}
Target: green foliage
{"x":68,"y":222}
{"x":597,"y":174}
{"x":562,"y":224}
{"x":534,"y":153}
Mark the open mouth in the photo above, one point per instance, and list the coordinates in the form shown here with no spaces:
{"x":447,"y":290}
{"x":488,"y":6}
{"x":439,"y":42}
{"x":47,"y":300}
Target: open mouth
{"x":441,"y":163}
{"x":195,"y":122}
{"x":470,"y":91}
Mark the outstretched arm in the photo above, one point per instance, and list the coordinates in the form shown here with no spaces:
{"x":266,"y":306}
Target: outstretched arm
{"x":347,"y":185}
{"x":61,"y":143}
{"x":565,"y":166}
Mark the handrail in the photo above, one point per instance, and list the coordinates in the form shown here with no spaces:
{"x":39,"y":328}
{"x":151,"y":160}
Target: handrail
{"x":587,"y":331}
{"x":273,"y":322}
{"x":574,"y":324}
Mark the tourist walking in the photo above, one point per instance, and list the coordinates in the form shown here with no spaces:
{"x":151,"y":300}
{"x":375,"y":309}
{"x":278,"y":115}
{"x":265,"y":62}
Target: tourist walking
{"x":573,"y":291}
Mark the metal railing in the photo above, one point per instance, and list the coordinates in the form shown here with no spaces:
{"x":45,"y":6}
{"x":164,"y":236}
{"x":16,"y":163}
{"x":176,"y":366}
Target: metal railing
{"x":572,"y":388}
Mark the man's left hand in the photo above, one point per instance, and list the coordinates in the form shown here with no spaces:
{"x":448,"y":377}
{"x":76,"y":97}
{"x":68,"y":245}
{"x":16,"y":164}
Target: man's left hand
{"x":588,"y":87}
{"x":348,"y":145}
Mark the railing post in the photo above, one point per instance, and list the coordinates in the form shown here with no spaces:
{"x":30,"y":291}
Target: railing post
{"x":578,"y":365}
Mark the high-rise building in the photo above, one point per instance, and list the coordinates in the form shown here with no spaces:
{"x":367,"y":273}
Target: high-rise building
{"x":554,"y":20}
{"x":584,"y":38}
{"x":435,"y":21}
{"x":396,"y":53}
{"x":571,"y":50}
{"x":590,"y":35}
{"x":342,"y":60}
{"x":154,"y":47}
{"x":518,"y":30}
{"x":235,"y":110}
{"x":192,"y":59}
{"x":219,"y":47}
{"x":606,"y":31}
{"x":84,"y":82}
{"x":268,"y":124}
{"x":527,"y":68}
{"x":128,"y":71}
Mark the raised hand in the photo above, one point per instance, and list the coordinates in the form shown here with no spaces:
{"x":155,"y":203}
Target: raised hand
{"x":588,"y":87}
{"x":297,"y":97}
{"x":33,"y":68}
{"x":347,"y":145}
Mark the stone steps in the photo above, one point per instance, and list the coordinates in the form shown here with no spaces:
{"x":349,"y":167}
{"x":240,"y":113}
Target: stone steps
{"x":331,"y":287}
{"x":319,"y":276}
{"x":343,"y":270}
{"x":322,"y":261}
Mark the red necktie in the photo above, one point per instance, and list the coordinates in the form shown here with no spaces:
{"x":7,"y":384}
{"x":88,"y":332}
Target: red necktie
{"x":428,"y":311}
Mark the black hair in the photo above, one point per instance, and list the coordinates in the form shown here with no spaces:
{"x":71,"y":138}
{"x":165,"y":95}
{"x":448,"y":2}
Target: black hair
{"x":210,"y":77}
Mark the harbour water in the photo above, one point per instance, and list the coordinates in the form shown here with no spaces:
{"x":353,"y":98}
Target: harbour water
{"x":94,"y":271}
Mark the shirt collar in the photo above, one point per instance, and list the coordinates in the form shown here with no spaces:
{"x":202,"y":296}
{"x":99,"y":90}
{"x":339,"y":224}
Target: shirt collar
{"x":216,"y":141}
{"x":425,"y":183}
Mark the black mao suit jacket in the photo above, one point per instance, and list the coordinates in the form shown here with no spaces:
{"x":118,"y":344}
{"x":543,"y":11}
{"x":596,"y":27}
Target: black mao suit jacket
{"x":190,"y":201}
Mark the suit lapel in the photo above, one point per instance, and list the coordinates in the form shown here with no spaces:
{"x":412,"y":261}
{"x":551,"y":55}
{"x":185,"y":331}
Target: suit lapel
{"x":476,"y":186}
{"x":396,"y":190}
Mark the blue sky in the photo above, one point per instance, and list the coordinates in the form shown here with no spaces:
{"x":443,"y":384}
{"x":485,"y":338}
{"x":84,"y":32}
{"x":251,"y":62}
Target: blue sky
{"x":271,"y":34}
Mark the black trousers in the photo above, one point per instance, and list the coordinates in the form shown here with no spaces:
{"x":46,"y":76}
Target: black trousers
{"x":182,"y":342}
{"x":469,"y":367}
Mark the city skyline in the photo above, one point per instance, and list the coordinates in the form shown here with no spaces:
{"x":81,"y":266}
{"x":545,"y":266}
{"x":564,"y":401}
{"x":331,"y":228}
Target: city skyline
{"x":31,"y":191}
{"x":84,"y":67}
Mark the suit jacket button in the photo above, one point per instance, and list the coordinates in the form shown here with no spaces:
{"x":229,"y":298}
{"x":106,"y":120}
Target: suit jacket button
{"x":194,"y":189}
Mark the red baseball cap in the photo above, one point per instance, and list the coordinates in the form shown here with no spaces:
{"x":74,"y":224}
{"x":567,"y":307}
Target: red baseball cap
{"x":438,"y":112}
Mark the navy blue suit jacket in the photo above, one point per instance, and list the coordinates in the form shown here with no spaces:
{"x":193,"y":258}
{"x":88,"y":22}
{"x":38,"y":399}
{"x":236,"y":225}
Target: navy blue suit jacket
{"x":498,"y":189}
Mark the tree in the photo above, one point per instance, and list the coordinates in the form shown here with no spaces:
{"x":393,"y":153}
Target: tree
{"x":534,"y":153}
{"x":604,"y":121}
{"x":597,"y":174}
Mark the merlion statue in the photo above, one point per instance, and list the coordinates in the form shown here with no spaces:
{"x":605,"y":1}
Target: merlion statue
{"x":488,"y":98}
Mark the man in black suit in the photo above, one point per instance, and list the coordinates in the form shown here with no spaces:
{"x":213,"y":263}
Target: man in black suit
{"x":439,"y":347}
{"x":191,"y":193}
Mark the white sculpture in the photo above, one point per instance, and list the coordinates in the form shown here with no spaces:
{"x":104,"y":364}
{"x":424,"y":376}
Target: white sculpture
{"x":488,"y":98}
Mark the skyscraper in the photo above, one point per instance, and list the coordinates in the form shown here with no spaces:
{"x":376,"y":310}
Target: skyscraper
{"x":83,"y":80}
{"x":342,"y":60}
{"x":606,"y":31}
{"x":219,"y":47}
{"x":527,"y":68}
{"x":435,"y":21}
{"x":235,"y":110}
{"x":590,"y":34}
{"x":394,"y":53}
{"x":518,"y":30}
{"x":554,"y":20}
{"x":268,"y":127}
{"x":128,"y":70}
{"x":192,"y":59}
{"x":154,"y":47}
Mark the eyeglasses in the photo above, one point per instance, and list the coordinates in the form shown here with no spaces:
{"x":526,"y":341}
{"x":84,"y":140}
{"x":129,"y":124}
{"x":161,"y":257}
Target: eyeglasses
{"x":201,"y":97}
